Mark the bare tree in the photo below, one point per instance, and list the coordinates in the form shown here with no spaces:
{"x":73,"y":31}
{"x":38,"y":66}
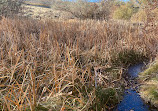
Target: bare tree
{"x":83,"y":9}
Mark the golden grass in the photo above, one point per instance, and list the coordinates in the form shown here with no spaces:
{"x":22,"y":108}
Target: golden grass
{"x":38,"y":12}
{"x":152,"y":69}
{"x":141,"y":17}
{"x":46,"y":61}
{"x":149,"y":92}
{"x":149,"y":78}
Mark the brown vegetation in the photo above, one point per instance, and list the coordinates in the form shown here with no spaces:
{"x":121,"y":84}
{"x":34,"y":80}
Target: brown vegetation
{"x":46,"y":61}
{"x":73,"y":64}
{"x":9,"y":7}
{"x":85,"y":10}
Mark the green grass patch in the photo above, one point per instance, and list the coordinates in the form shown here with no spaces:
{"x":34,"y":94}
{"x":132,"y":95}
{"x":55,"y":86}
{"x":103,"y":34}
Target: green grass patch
{"x":106,"y":98}
{"x":152,"y":69}
{"x":149,"y":89}
{"x":127,"y":57}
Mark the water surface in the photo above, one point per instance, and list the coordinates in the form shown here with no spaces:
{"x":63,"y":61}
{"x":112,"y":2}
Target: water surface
{"x":132,"y":100}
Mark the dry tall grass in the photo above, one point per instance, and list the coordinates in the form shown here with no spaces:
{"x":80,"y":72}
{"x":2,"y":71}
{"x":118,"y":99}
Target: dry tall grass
{"x":52,"y":63}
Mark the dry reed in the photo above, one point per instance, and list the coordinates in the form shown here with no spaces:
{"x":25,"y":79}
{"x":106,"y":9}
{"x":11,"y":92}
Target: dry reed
{"x":46,"y":61}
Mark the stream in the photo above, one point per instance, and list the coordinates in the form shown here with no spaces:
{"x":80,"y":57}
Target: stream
{"x":131,"y":99}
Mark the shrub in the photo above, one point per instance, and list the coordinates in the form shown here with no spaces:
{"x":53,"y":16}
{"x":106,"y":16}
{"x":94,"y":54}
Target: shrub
{"x":125,"y":11}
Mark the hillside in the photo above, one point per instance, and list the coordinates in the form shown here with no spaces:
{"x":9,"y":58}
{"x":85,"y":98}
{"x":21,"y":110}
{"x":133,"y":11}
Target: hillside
{"x":40,"y":12}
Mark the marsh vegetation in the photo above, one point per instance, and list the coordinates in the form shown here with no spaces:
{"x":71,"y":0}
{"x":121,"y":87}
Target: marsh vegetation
{"x":53,"y":64}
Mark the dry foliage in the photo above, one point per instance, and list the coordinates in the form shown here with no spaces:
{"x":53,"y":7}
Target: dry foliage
{"x":46,"y":61}
{"x":83,"y":9}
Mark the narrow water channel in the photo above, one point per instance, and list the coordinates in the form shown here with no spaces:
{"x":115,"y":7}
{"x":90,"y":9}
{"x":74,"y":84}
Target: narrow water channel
{"x":132,"y":100}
